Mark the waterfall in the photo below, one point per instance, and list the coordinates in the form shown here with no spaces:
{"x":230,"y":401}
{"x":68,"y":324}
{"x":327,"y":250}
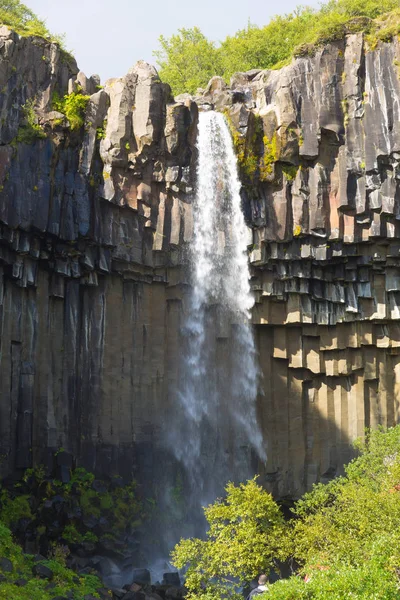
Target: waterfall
{"x":218,"y":438}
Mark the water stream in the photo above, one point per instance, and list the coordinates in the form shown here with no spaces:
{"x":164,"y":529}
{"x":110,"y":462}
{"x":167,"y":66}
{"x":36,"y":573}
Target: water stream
{"x":218,"y":437}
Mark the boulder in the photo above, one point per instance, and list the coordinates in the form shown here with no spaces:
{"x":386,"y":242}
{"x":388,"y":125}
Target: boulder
{"x":6,"y":565}
{"x":40,"y":570}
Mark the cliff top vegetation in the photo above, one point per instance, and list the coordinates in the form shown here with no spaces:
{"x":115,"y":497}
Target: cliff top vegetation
{"x":188,"y":60}
{"x":21,"y":19}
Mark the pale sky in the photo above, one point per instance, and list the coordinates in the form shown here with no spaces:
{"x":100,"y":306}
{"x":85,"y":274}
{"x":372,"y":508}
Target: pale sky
{"x":108,"y":37}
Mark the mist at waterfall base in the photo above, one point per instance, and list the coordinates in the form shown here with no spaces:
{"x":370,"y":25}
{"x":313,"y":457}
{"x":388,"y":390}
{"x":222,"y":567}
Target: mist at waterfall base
{"x":213,"y":433}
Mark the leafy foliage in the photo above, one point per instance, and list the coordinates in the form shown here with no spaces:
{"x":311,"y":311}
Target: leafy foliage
{"x":65,"y":580}
{"x":188,"y":60}
{"x":73,"y":106}
{"x":344,"y":535}
{"x":30,"y":130}
{"x":19,"y":17}
{"x":245,"y":535}
{"x":84,"y":500}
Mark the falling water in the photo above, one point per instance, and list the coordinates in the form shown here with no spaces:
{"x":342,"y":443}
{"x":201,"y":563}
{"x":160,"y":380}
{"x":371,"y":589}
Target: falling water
{"x":219,"y":437}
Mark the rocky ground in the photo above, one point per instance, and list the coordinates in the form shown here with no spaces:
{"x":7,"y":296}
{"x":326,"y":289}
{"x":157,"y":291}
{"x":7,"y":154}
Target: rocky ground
{"x":89,"y":528}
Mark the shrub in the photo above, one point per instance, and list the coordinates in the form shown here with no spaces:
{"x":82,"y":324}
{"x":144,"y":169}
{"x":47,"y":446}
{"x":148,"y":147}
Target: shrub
{"x":21,"y":19}
{"x":245,"y":535}
{"x":30,"y":130}
{"x":73,"y":106}
{"x":345,"y":536}
{"x":65,"y":580}
{"x":187,"y":60}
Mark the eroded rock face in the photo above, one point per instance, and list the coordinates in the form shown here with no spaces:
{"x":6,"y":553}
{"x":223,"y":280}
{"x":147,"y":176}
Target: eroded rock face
{"x":92,"y":223}
{"x":94,"y":229}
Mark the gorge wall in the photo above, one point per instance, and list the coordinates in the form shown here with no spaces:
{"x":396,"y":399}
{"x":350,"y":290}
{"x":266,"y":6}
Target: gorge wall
{"x":94,"y":233}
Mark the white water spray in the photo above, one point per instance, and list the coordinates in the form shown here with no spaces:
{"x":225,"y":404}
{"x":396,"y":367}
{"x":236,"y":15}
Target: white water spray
{"x":219,"y":436}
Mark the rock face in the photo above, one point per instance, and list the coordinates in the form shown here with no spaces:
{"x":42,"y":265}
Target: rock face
{"x":92,"y":226}
{"x":94,"y":229}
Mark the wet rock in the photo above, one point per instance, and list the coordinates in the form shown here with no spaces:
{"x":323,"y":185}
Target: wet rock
{"x":99,"y":486}
{"x":172,"y":579}
{"x":134,"y":596}
{"x":64,"y":459}
{"x":42,"y":571}
{"x":6,"y":565}
{"x":175,"y":593}
{"x":141,"y":576}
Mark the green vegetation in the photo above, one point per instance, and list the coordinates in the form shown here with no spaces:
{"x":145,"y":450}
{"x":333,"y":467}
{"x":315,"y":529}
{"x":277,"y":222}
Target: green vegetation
{"x":244,"y":537}
{"x":30,"y":130}
{"x":256,"y":154}
{"x":19,"y":17}
{"x":188,"y":60}
{"x":65,"y":580}
{"x":344,"y":535}
{"x":101,"y":133}
{"x":118,"y":504}
{"x":73,"y":106}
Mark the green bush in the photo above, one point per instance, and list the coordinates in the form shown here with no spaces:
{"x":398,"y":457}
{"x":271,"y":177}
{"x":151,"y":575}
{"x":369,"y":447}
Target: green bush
{"x":118,"y":504}
{"x":65,"y":580}
{"x":344,"y":535}
{"x":14,"y":509}
{"x":73,"y":106}
{"x":21,"y":19}
{"x":30,"y":130}
{"x":245,"y":535}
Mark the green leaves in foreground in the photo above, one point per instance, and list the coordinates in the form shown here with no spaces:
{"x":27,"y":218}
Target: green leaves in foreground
{"x":246,"y":531}
{"x":65,"y":580}
{"x":344,"y":535}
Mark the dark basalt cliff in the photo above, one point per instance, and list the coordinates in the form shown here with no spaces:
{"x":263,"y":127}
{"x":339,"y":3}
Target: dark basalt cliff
{"x":93,"y":256}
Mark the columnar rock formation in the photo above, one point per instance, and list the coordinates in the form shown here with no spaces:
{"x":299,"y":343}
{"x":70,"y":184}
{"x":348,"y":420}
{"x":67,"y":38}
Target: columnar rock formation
{"x":94,"y":227}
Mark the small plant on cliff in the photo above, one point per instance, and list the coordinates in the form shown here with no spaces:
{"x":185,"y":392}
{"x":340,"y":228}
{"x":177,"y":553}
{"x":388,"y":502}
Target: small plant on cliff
{"x":245,"y":535}
{"x":29,"y":131}
{"x":73,"y":106}
{"x":269,"y":157}
{"x":250,"y":151}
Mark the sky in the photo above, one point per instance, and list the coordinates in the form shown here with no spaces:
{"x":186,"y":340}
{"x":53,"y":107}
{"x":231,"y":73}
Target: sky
{"x":107,"y":37}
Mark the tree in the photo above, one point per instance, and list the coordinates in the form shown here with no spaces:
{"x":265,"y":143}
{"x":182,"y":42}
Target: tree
{"x":245,"y":535}
{"x":187,"y":60}
{"x":346,"y":534}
